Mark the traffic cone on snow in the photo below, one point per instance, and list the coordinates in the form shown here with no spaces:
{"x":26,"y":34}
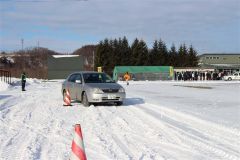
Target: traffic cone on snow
{"x":78,"y":151}
{"x":67,"y":99}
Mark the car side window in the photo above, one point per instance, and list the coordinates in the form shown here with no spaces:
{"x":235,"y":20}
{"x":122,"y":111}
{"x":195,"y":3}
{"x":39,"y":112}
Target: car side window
{"x":78,"y":77}
{"x":72,"y":78}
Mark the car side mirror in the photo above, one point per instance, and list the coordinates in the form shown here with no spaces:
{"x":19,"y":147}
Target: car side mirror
{"x":78,"y":81}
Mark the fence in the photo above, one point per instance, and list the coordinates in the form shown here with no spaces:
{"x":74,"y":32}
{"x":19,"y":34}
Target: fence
{"x":5,"y":76}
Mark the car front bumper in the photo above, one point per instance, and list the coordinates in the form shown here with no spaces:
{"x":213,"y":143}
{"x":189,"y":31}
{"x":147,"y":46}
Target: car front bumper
{"x":107,"y":97}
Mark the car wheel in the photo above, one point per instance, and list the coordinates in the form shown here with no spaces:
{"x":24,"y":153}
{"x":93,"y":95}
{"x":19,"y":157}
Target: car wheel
{"x":85,"y":100}
{"x":119,"y":103}
{"x":229,"y":78}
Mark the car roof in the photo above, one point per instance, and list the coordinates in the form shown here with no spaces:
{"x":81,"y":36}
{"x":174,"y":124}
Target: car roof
{"x":86,"y":72}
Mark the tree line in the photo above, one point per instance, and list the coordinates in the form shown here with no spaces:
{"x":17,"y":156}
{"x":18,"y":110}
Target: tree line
{"x":33,"y":61}
{"x":118,"y":52}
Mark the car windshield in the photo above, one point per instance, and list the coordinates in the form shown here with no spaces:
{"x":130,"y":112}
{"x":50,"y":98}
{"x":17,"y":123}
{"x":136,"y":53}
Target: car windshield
{"x":97,"y":78}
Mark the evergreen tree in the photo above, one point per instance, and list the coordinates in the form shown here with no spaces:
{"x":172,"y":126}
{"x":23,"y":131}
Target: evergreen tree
{"x":173,"y":56}
{"x":182,"y":58}
{"x":163,"y":53}
{"x":143,"y":55}
{"x":99,"y":55}
{"x":126,"y":52}
{"x":107,"y":53}
{"x":185,"y":51}
{"x":140,"y":53}
{"x":104,"y":56}
{"x":120,"y":52}
{"x":110,"y":53}
{"x":192,"y":57}
{"x":153,"y":55}
{"x":134,"y":50}
{"x":116,"y":59}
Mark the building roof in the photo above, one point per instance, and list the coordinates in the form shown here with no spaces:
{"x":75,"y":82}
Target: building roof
{"x":141,"y":69}
{"x":218,"y":54}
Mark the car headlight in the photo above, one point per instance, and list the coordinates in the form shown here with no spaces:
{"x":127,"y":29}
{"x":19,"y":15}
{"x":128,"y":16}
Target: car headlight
{"x":97,"y":90}
{"x":121,"y":90}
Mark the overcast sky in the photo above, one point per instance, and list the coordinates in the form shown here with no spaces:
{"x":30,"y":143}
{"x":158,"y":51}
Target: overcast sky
{"x":66,"y":25}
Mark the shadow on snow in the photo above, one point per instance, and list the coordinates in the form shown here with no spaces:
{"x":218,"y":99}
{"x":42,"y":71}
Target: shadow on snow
{"x":126,"y":102}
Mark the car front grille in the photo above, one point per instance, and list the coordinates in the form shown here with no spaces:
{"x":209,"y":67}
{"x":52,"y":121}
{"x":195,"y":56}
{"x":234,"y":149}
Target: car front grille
{"x":110,"y":90}
{"x":106,"y":99}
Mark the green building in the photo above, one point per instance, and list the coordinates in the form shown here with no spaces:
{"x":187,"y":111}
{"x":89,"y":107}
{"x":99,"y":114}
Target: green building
{"x":60,"y":66}
{"x":220,"y":62}
{"x":144,"y":72}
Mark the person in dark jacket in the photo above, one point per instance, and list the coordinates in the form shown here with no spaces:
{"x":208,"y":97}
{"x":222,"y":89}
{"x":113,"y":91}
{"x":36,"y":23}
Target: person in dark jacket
{"x":23,"y":78}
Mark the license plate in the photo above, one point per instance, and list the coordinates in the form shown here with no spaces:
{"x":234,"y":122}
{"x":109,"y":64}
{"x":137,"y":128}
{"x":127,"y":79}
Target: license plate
{"x":111,"y":96}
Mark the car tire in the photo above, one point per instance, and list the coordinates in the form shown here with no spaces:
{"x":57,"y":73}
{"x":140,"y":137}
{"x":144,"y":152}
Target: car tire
{"x":85,"y":100}
{"x":229,"y":78}
{"x":119,"y":103}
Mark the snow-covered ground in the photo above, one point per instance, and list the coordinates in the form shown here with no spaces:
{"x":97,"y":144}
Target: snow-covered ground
{"x":158,"y":121}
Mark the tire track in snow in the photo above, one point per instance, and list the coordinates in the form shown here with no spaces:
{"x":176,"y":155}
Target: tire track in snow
{"x":28,"y":135}
{"x":106,"y":119}
{"x":153,"y":139}
{"x":102,"y":133}
{"x":18,"y":146}
{"x":189,"y":137}
{"x":105,"y":136}
{"x":97,"y":132}
{"x":13,"y":148}
{"x":128,"y":135}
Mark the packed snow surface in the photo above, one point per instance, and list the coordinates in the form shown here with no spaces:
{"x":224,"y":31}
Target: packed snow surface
{"x":158,"y":121}
{"x":3,"y":86}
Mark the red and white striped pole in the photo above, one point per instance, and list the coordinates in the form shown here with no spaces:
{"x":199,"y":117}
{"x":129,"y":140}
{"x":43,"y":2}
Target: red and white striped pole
{"x":78,"y":151}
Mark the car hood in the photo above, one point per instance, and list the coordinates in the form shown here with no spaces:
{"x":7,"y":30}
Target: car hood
{"x":103,"y":85}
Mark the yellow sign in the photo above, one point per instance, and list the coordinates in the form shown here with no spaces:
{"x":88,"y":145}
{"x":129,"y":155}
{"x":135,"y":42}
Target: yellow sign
{"x":99,"y":69}
{"x":171,"y":71}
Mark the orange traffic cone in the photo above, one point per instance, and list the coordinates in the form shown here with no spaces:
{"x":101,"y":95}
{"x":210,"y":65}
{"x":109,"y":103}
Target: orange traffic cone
{"x":78,"y":151}
{"x":67,"y":99}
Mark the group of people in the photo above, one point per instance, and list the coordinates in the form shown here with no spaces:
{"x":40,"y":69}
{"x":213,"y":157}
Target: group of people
{"x":194,"y":76}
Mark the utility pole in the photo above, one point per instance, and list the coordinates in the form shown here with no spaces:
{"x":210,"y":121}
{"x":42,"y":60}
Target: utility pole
{"x":37,"y":46}
{"x":22,"y":41}
{"x":93,"y":60}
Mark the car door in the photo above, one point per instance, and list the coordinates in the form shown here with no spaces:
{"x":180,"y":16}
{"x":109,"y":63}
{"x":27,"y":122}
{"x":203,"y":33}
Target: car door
{"x":235,"y":76}
{"x":78,"y":86}
{"x":70,"y":86}
{"x":238,"y":77}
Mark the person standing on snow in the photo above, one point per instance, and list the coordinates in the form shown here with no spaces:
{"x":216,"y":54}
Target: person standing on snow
{"x":126,"y":77}
{"x":23,"y":78}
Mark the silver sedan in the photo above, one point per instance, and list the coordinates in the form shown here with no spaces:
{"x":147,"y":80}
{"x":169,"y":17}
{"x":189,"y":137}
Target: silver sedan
{"x":93,"y":87}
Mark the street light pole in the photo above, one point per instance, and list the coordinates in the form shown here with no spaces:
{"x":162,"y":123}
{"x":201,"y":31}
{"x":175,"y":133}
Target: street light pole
{"x":22,"y":41}
{"x":93,"y":60}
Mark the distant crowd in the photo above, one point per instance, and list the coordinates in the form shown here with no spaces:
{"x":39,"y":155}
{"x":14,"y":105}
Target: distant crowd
{"x":194,"y":76}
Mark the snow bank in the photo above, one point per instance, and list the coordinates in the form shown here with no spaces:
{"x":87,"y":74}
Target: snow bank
{"x":3,"y":86}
